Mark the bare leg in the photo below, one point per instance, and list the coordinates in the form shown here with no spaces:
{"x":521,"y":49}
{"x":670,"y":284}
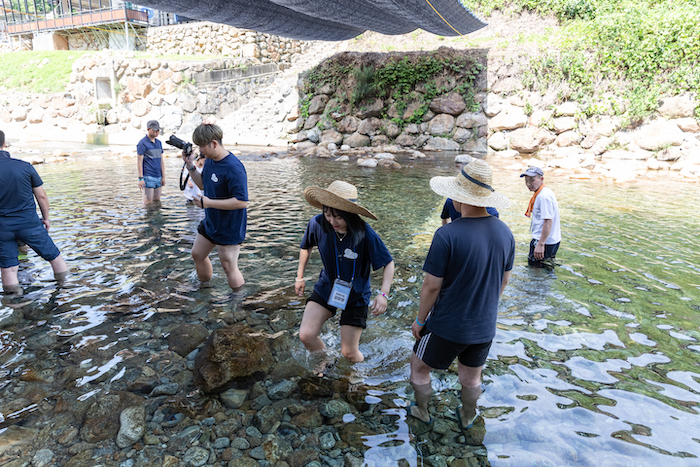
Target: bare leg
{"x":312,"y":321}
{"x":350,"y":343}
{"x":60,"y":269}
{"x":156,"y":193}
{"x":148,"y":195}
{"x":200,"y":253}
{"x":470,"y":378}
{"x":228,"y":255}
{"x":420,"y":380}
{"x":10,"y":282}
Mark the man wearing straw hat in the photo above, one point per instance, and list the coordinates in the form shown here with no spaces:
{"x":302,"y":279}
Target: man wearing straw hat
{"x":543,"y":212}
{"x":467,"y":268}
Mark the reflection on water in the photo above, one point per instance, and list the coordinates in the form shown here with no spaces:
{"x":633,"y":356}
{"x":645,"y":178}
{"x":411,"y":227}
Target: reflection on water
{"x":594,"y":359}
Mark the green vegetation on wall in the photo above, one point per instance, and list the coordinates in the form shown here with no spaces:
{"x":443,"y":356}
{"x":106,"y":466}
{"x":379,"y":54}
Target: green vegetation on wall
{"x":640,"y":50}
{"x":360,"y":78}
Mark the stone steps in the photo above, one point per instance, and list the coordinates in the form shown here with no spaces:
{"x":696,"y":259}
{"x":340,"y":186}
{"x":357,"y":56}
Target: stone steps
{"x":261,"y":121}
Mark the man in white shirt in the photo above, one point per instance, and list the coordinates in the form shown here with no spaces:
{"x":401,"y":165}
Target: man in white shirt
{"x":543,"y":211}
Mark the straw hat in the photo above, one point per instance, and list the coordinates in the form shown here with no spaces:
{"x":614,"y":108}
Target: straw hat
{"x":472,"y":186}
{"x":339,"y":195}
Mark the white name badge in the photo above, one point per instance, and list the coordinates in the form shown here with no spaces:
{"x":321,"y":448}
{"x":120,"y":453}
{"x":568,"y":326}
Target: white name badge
{"x":340,"y":293}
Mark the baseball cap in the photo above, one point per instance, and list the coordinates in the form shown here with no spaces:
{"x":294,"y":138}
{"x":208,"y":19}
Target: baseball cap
{"x":153,"y":125}
{"x":532,"y":171}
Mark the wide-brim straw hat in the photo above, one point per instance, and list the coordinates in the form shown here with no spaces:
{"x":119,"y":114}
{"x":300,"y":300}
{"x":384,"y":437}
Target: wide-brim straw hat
{"x":472,"y":186}
{"x":339,"y":195}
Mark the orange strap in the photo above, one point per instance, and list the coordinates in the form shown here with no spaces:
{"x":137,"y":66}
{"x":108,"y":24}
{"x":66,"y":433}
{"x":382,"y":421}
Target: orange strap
{"x":532,"y":201}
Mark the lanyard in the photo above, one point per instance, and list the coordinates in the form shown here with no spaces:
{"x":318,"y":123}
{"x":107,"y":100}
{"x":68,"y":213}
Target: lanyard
{"x":337,"y":261}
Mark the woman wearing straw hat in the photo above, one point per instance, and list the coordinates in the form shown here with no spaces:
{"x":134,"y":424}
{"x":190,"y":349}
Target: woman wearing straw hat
{"x":349,"y":248}
{"x":467,"y":268}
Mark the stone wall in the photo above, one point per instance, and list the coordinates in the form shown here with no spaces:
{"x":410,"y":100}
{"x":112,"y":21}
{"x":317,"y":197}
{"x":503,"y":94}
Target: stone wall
{"x":450,"y":123}
{"x":565,"y":135}
{"x":206,"y":38}
{"x":178,"y":94}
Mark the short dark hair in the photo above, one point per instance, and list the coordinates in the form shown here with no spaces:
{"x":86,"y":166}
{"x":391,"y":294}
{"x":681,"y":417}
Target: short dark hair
{"x":206,"y":133}
{"x":2,"y":139}
{"x":356,"y":225}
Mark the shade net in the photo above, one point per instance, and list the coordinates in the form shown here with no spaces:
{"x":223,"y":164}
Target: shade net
{"x":329,"y":20}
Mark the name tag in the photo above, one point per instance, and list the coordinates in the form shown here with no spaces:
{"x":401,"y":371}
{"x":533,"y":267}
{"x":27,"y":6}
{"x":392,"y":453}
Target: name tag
{"x":340,"y":293}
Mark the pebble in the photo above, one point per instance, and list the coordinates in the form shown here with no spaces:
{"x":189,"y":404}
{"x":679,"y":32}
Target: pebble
{"x":42,"y":458}
{"x":240,"y":443}
{"x":233,"y":398}
{"x":196,"y":456}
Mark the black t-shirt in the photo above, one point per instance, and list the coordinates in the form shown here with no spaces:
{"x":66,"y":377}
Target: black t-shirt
{"x":471,"y":255}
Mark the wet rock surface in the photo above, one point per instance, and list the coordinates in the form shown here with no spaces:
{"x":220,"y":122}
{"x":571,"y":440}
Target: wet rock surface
{"x":156,"y":413}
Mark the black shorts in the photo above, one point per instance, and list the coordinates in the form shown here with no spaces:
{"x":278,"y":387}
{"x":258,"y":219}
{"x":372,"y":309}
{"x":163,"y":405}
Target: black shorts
{"x":350,"y":316}
{"x":550,"y":252}
{"x":439,"y":353}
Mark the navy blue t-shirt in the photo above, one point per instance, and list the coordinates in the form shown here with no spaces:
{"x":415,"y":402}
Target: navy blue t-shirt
{"x":225,"y":179}
{"x":449,"y":211}
{"x":371,"y":252}
{"x":17,"y":181}
{"x":152,"y":151}
{"x":471,"y":254}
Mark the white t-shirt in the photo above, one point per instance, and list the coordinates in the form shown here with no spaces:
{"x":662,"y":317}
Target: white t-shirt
{"x":546,"y":207}
{"x":191,"y":192}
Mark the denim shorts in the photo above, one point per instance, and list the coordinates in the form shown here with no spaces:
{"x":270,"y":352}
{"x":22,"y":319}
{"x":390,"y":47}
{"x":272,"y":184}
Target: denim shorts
{"x":36,"y":237}
{"x":153,"y":182}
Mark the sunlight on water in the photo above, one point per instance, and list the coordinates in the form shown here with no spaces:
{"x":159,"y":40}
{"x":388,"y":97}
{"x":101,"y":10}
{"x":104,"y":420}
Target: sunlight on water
{"x":596,"y":358}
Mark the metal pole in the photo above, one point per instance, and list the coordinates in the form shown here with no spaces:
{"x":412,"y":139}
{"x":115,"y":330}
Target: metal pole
{"x":126,"y":30}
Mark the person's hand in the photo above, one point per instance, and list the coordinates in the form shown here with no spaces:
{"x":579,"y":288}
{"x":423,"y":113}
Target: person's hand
{"x":47,"y":224}
{"x":539,"y":251}
{"x":142,"y":185}
{"x":162,"y":181}
{"x":416,"y":329}
{"x":201,"y":200}
{"x":379,"y":305}
{"x":299,"y":287}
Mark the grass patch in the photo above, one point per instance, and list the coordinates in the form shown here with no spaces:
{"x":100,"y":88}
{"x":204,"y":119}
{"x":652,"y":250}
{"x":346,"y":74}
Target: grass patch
{"x":37,"y":72}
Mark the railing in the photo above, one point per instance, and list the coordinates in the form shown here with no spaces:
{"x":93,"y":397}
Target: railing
{"x":74,"y":20}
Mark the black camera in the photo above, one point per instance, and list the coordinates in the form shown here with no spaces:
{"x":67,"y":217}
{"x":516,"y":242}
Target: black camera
{"x":180,"y":144}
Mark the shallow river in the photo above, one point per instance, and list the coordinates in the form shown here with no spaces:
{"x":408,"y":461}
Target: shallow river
{"x":594,"y":362}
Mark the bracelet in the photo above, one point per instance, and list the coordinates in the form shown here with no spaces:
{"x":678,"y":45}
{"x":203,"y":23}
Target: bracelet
{"x":384,"y":295}
{"x":192,"y":168}
{"x":419,"y":323}
{"x":140,"y":178}
{"x":300,"y":280}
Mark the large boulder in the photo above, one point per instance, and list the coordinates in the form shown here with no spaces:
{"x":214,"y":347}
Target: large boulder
{"x":186,"y":337}
{"x":527,"y":140}
{"x":441,"y":125}
{"x":357,"y":140}
{"x":441,"y":144}
{"x":471,"y":120}
{"x":371,"y":108}
{"x":452,"y":104}
{"x":370,"y":126}
{"x":677,"y":107}
{"x":658,"y":135}
{"x":349,"y":124}
{"x":509,"y":118}
{"x":230,"y":353}
{"x":318,"y":104}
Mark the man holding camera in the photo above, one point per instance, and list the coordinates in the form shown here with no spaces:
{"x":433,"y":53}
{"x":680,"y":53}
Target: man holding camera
{"x":225,"y":199}
{"x":151,"y":165}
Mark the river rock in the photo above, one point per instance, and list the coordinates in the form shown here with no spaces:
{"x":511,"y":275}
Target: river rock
{"x":185,"y":338}
{"x":475,"y":145}
{"x":302,"y":457}
{"x":688,"y":124}
{"x":568,"y":138}
{"x":329,"y":137}
{"x":311,"y":122}
{"x":567,"y":109}
{"x":498,"y":141}
{"x":405,"y":140}
{"x":318,"y":104}
{"x":314,"y":135}
{"x":471,"y":120}
{"x":196,"y":456}
{"x":276,"y":448}
{"x":265,"y":418}
{"x":677,"y":106}
{"x":229,"y":353}
{"x":233,"y":398}
{"x":371,"y":162}
{"x":526,"y":140}
{"x":371,"y":108}
{"x":658,"y":135}
{"x":604,"y":124}
{"x":14,"y":436}
{"x":357,"y":140}
{"x":370,"y":126}
{"x":413,"y":106}
{"x":509,"y":118}
{"x":133,"y":425}
{"x":441,"y":144}
{"x":452,"y":104}
{"x":354,"y":433}
{"x":562,"y":124}
{"x":441,"y":125}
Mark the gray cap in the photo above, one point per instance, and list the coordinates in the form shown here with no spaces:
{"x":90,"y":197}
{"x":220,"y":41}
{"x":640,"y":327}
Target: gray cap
{"x":153,"y":125}
{"x":532,"y":171}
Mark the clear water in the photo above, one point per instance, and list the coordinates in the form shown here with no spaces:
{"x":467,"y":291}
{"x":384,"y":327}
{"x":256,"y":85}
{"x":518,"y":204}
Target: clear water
{"x":594,"y":363}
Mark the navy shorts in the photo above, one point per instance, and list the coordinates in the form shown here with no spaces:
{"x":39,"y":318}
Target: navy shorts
{"x":550,"y":251}
{"x":439,"y":353}
{"x":36,"y":237}
{"x":350,"y":316}
{"x":153,"y":182}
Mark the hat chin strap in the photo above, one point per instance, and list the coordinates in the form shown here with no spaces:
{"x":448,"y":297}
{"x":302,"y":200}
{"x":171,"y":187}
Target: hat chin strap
{"x":477,"y":182}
